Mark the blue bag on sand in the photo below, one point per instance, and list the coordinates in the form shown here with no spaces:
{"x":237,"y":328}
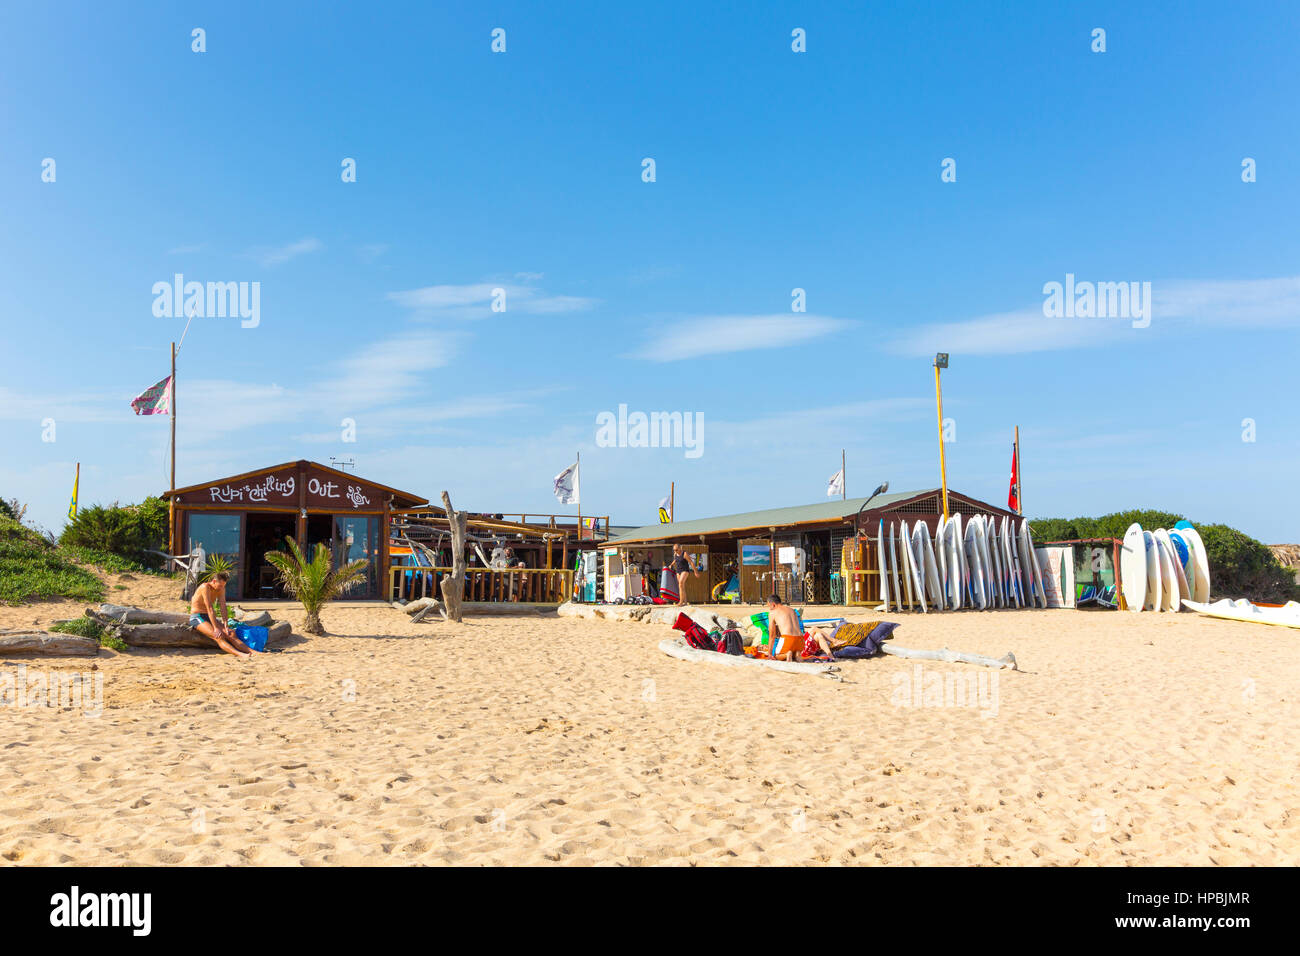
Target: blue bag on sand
{"x":254,"y":637}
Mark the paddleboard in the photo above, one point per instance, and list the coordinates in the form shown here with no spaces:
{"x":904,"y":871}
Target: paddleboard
{"x":992,"y":548}
{"x":941,"y":559}
{"x":1201,"y":565}
{"x":1168,"y":584}
{"x":973,"y":561}
{"x":1288,"y":615}
{"x":921,"y":543}
{"x":894,"y":589}
{"x":957,"y":562}
{"x":916,"y":559}
{"x":1029,"y":562}
{"x":986,"y":562}
{"x":1013,"y":578}
{"x":1177,"y":575}
{"x":1155,"y":594}
{"x":884,"y":565}
{"x":1133,"y":568}
{"x":905,"y":566}
{"x":1181,"y":547}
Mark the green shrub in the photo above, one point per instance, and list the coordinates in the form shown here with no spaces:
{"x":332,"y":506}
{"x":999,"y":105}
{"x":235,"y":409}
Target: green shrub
{"x":1240,"y":566}
{"x":85,"y":627}
{"x":107,"y":561}
{"x":127,"y":531}
{"x":33,"y":569}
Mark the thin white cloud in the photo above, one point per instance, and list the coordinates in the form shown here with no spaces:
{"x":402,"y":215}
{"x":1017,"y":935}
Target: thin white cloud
{"x":721,"y":334}
{"x":269,"y":256}
{"x":1208,"y":303}
{"x":475,"y":300}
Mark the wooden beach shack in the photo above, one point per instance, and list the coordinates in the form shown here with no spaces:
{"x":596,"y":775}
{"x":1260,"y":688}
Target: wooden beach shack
{"x":806,"y":553}
{"x":244,"y":516}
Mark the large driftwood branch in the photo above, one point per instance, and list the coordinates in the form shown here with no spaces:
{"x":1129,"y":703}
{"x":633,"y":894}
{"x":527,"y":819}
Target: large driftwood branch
{"x":117,"y":614}
{"x":952,"y":657}
{"x":170,"y":635}
{"x":43,"y":644}
{"x":453,"y":587}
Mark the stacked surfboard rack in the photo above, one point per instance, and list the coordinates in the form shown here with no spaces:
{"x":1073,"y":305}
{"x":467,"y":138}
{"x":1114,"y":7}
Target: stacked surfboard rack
{"x":1160,"y":569}
{"x":980,"y":563}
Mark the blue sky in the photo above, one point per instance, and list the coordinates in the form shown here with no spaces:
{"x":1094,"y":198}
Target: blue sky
{"x":775,"y":170}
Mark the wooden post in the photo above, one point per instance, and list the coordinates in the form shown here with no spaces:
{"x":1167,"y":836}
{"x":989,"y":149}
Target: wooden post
{"x":453,"y":590}
{"x":844,"y":479}
{"x":943,"y":462}
{"x":672,"y":502}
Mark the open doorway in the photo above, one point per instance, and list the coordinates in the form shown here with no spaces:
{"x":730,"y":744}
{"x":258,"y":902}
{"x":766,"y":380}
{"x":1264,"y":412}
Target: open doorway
{"x":265,"y":532}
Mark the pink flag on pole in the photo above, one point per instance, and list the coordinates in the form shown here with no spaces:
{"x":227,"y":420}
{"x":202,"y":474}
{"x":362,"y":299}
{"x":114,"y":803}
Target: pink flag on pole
{"x":154,"y":400}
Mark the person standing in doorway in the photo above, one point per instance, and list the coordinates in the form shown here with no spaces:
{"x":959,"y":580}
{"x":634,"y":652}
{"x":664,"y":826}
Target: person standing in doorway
{"x":683,"y":567}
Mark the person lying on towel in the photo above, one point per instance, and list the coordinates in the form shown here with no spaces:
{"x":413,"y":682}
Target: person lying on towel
{"x":789,"y":642}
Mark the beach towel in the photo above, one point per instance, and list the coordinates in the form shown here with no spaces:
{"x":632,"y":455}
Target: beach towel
{"x":851,"y":641}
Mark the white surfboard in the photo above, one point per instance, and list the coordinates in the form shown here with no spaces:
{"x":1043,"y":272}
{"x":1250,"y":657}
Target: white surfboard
{"x":1155,"y":593}
{"x":1133,"y":568}
{"x":973,"y":560}
{"x":884,"y":565}
{"x":1200,"y":577}
{"x":1009,"y":561}
{"x":1029,"y":567}
{"x":916,"y":564}
{"x":994,"y":549}
{"x":957,"y":563}
{"x":1286,"y":616}
{"x":1174,"y":578}
{"x":905,"y":566}
{"x":895,"y":590}
{"x":922,"y":546}
{"x":986,"y":562}
{"x":1169,"y":585}
{"x":941,"y":560}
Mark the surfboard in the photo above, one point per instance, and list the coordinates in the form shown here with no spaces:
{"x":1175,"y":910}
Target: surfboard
{"x":974,"y":563}
{"x":1181,"y":547}
{"x":992,"y":546}
{"x":986,"y":566}
{"x":1009,"y":562}
{"x":905,"y":566}
{"x":884,"y":565}
{"x":1177,"y":574}
{"x":916,"y":559}
{"x":921,"y":540}
{"x":1168,"y":583}
{"x":894,"y":589}
{"x":1200,"y":566}
{"x":1155,"y":594}
{"x":957,"y":562}
{"x":1288,"y":615}
{"x":941,"y":559}
{"x":1029,"y":565}
{"x":1133,"y":568}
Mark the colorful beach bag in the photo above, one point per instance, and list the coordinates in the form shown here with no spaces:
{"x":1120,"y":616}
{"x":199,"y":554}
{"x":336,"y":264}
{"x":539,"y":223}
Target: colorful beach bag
{"x":696,"y":636}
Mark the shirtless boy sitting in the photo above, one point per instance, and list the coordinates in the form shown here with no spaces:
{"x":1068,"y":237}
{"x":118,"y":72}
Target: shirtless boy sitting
{"x":789,"y":642}
{"x":203,"y":605}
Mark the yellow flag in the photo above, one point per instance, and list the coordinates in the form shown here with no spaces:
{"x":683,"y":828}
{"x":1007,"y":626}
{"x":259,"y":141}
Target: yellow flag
{"x":76,"y":484}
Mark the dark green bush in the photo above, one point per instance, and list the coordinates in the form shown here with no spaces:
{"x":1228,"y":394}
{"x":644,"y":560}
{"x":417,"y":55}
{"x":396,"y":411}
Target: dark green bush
{"x":1240,"y":566}
{"x":123,"y":530}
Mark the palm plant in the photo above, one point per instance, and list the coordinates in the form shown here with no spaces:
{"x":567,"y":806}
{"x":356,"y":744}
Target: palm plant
{"x":316,"y":581}
{"x":213,"y":563}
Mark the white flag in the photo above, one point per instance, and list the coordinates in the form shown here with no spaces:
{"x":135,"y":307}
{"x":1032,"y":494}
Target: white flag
{"x":665,"y":510}
{"x":566,"y":486}
{"x":836,"y":486}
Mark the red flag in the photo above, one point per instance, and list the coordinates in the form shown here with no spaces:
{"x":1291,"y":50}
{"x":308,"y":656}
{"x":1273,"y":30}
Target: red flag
{"x":1013,"y":496}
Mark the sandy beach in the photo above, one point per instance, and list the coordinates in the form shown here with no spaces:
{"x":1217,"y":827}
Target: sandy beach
{"x":1124,"y":739}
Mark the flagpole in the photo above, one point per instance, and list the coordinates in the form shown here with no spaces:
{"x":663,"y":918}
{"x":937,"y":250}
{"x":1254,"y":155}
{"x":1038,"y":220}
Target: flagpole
{"x":844,"y":479}
{"x":672,"y":501}
{"x":171,"y":499}
{"x":577,"y":471}
{"x":1020,"y":501}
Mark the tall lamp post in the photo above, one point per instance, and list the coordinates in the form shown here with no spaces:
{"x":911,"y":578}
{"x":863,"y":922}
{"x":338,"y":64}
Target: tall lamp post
{"x":941,"y":361}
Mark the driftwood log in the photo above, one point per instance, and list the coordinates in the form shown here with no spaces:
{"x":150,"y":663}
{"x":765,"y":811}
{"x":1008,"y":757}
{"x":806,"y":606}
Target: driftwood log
{"x":1008,"y":660}
{"x":170,"y":635}
{"x":453,"y":586}
{"x":117,"y":614}
{"x":43,"y":644}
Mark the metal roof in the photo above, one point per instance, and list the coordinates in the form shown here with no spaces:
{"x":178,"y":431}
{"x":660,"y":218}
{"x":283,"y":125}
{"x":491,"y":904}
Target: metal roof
{"x":818,"y":513}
